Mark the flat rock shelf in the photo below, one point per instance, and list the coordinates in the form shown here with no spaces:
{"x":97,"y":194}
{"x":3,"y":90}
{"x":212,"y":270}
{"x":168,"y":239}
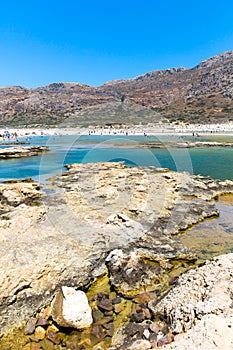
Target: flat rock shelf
{"x":18,"y":152}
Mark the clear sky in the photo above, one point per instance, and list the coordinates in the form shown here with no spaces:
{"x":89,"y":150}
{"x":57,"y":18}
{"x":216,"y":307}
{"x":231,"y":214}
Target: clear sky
{"x":88,"y":41}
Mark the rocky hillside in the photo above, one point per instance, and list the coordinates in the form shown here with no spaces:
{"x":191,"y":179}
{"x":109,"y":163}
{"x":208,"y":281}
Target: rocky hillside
{"x":201,"y":94}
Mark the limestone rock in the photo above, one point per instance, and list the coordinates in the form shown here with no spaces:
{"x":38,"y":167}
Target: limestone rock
{"x":70,"y":308}
{"x":132,"y":269}
{"x":213,"y":332}
{"x":94,"y":209}
{"x":139,"y":345}
{"x":201,"y":305}
{"x":18,"y":152}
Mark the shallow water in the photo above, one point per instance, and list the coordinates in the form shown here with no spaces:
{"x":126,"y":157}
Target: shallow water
{"x":212,"y":237}
{"x":214,"y":162}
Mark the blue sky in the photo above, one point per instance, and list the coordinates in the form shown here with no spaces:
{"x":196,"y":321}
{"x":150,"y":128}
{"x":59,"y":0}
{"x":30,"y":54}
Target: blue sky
{"x":95,"y":41}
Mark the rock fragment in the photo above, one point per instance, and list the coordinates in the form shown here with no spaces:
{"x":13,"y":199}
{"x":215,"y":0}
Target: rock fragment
{"x":70,"y":308}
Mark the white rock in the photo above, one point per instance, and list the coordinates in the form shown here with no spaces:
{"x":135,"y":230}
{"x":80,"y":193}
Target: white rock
{"x":70,"y":308}
{"x":139,"y":345}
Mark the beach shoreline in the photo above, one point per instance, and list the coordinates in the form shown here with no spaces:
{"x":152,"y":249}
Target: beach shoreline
{"x":124,"y":130}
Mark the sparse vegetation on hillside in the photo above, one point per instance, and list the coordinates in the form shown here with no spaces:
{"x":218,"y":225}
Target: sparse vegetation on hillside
{"x":203,"y":93}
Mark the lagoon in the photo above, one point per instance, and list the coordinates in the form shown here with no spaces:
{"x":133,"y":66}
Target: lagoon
{"x":214,"y":162}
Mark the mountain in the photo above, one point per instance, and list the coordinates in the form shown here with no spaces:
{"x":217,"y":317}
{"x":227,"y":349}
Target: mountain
{"x":201,"y":94}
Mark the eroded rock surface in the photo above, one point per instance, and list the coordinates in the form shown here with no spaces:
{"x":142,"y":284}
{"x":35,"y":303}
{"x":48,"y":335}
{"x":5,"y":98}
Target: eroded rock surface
{"x":201,"y":305}
{"x":63,"y":236}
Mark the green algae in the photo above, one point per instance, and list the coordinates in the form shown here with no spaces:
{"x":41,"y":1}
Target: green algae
{"x":15,"y":340}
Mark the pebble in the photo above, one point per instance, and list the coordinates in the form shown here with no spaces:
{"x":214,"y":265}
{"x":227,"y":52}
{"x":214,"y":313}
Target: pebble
{"x":30,"y":326}
{"x":105,"y":305}
{"x":155,"y":327}
{"x":146,"y":333}
{"x":119,"y":308}
{"x":42,"y":322}
{"x":40,"y":333}
{"x":166,"y":340}
{"x":116,"y":300}
{"x":73,"y":341}
{"x":137,"y":317}
{"x":53,"y":337}
{"x":53,"y":328}
{"x":143,"y":298}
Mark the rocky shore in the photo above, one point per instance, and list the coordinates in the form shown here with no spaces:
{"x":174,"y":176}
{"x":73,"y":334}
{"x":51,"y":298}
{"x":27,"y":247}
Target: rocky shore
{"x":18,"y":152}
{"x":204,"y":144}
{"x":104,"y":229}
{"x":187,"y":144}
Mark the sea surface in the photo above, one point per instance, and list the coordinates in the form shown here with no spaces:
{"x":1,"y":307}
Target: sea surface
{"x":214,"y":162}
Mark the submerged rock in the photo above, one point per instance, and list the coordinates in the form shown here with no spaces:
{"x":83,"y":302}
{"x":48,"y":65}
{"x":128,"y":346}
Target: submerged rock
{"x":70,"y":308}
{"x":145,"y":263}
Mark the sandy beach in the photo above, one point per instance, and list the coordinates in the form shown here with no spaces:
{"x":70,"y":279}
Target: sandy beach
{"x":127,"y":130}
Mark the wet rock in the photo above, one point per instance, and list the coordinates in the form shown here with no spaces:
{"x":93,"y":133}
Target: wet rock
{"x":173,"y":281}
{"x":30,"y":326}
{"x":109,"y":329}
{"x":46,"y":344}
{"x":143,"y":297}
{"x":53,"y":337}
{"x":116,"y":300}
{"x":27,"y":347}
{"x":34,"y":339}
{"x":131,"y":269}
{"x":73,"y":342}
{"x":32,"y":346}
{"x":137,"y":317}
{"x":146,"y":334}
{"x":155,"y":327}
{"x":119,"y":307}
{"x":105,"y":305}
{"x":39,"y":333}
{"x":52,"y":328}
{"x":46,"y":313}
{"x":70,"y":308}
{"x":147,"y":313}
{"x":42,"y":322}
{"x":105,"y":320}
{"x":96,"y":334}
{"x":97,"y":316}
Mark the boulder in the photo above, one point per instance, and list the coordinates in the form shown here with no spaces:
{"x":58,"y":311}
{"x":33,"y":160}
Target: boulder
{"x":70,"y":308}
{"x":201,"y":306}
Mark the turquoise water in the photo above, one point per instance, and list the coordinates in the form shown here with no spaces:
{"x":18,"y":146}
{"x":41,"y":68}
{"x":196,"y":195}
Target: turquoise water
{"x":214,"y":162}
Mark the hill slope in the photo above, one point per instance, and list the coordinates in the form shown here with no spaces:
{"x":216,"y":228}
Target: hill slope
{"x":203,"y":93}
